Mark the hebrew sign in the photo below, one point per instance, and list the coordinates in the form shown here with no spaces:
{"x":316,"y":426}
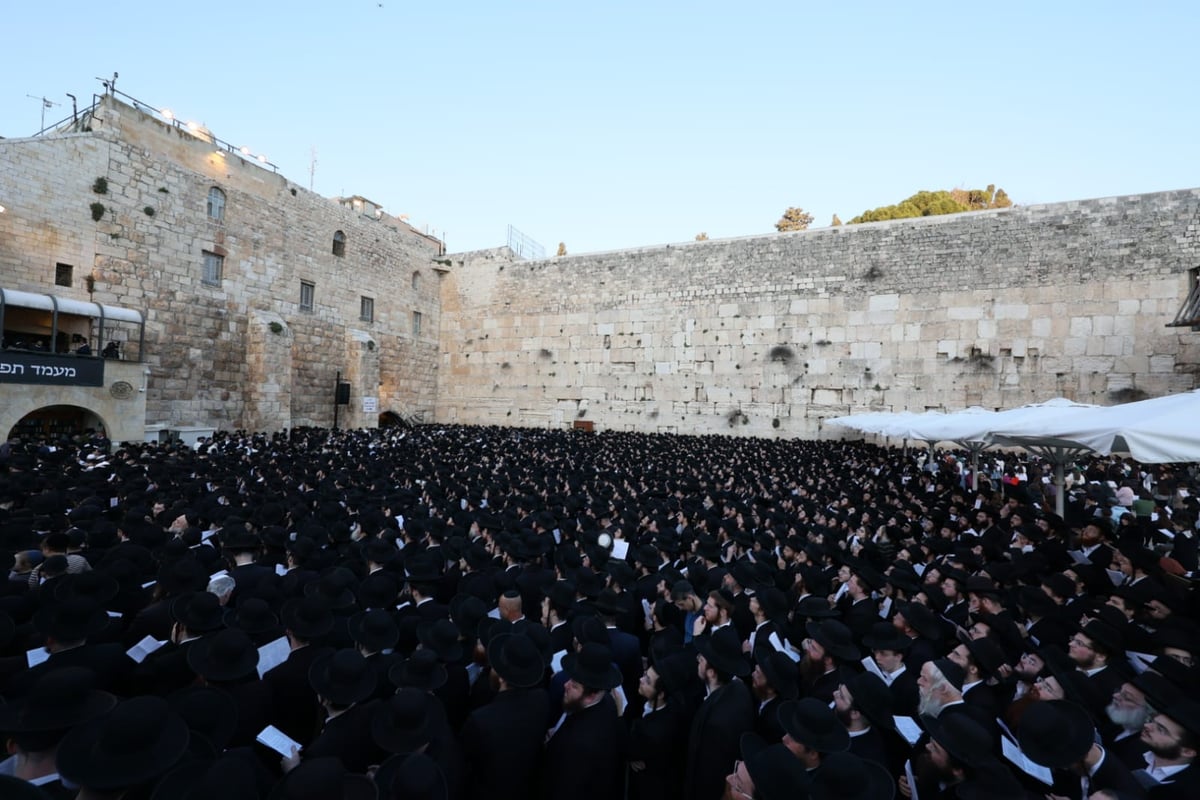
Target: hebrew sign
{"x":49,"y":369}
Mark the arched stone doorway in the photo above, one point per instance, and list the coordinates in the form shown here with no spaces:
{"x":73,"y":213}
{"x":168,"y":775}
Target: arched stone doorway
{"x":390,"y":419}
{"x":50,"y":423}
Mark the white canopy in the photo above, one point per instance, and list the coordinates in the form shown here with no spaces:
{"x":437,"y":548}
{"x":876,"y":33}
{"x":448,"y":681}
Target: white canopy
{"x":1160,"y":430}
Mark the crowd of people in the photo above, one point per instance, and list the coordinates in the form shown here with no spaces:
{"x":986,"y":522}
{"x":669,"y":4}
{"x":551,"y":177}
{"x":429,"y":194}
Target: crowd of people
{"x":454,"y":613}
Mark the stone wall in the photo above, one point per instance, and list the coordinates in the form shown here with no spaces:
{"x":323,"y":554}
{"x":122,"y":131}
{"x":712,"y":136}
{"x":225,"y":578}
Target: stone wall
{"x":214,"y":359}
{"x":768,"y":335}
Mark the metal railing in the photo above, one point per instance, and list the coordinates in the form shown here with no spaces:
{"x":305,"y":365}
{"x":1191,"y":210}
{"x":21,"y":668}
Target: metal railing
{"x":77,"y":121}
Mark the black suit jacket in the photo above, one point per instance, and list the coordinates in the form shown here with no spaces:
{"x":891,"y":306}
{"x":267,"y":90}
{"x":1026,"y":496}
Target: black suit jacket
{"x":502,"y":745}
{"x":583,"y":757}
{"x":1184,"y":785}
{"x":715,"y":740}
{"x":296,"y":711}
{"x":657,"y":740}
{"x":348,"y":737}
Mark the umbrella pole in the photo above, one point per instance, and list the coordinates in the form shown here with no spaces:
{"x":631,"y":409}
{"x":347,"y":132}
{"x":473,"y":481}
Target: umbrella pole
{"x":1059,"y":481}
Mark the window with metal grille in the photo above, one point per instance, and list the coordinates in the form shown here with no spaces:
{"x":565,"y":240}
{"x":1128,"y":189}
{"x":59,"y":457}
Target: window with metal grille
{"x":214,"y":266}
{"x":63,"y":273}
{"x":308,"y":291}
{"x":1189,"y":313}
{"x":339,"y":243}
{"x":366,"y":309}
{"x":416,"y":319}
{"x":216,"y":204}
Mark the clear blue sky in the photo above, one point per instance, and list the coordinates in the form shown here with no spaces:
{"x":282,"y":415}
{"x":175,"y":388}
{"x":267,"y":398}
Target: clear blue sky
{"x":621,"y":124}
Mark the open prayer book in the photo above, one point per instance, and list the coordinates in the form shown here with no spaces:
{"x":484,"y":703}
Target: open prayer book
{"x":145,"y":647}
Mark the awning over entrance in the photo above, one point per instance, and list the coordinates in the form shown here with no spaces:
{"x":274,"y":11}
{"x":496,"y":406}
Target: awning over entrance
{"x":15,"y":298}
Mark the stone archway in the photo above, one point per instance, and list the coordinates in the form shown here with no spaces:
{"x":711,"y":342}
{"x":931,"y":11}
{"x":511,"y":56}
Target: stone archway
{"x":52,"y":422}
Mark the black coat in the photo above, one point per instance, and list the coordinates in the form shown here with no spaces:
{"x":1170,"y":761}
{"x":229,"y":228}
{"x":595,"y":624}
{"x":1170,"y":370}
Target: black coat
{"x":348,"y":737}
{"x":584,"y":756}
{"x":502,"y":744}
{"x":296,"y":710}
{"x":657,"y":741}
{"x":715,"y":740}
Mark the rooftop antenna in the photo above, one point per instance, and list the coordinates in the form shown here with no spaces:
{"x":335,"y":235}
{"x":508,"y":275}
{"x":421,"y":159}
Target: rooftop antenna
{"x":312,"y":169}
{"x":110,"y":84}
{"x":45,"y":104}
{"x":74,"y":109}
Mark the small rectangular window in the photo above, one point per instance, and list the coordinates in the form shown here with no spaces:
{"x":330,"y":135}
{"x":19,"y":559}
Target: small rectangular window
{"x":307,"y":292}
{"x":416,"y":324}
{"x":63,"y":274}
{"x":366,"y":309}
{"x":1189,"y":312}
{"x":214,"y":267}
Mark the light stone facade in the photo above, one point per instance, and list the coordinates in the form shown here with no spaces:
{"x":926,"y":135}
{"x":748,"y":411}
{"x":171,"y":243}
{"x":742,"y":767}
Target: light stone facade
{"x":215,"y":357}
{"x":764,"y":335}
{"x":769,"y":335}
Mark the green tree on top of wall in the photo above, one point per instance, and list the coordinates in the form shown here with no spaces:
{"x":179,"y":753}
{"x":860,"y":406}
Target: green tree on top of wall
{"x":928,"y":204}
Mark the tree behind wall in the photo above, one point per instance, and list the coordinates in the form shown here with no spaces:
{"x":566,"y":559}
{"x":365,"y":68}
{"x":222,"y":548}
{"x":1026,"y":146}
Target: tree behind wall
{"x":794,"y":219}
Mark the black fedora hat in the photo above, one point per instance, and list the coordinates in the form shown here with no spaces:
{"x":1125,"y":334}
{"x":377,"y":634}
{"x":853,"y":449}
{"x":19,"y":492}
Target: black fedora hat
{"x":921,"y":619}
{"x":723,"y":649}
{"x":400,"y":724}
{"x":962,"y":737}
{"x":780,"y":671}
{"x":814,"y":607}
{"x":199,"y":612}
{"x":411,"y":776}
{"x":342,"y":677}
{"x":230,"y":777}
{"x":1056,"y":733}
{"x":592,"y":667}
{"x":323,"y":778}
{"x":226,"y":656}
{"x":987,"y":655}
{"x":516,"y":659}
{"x":375,"y":629}
{"x":211,"y":713}
{"x":872,"y":697}
{"x":307,"y":617}
{"x":18,"y":789}
{"x":136,"y":741}
{"x":72,"y":620}
{"x":844,"y":776}
{"x":835,"y":637}
{"x":99,"y":586}
{"x":814,"y":724}
{"x":336,"y":587}
{"x":442,"y":637}
{"x":885,"y":636}
{"x":606,"y":604}
{"x":777,"y":774}
{"x":60,"y":699}
{"x":253,"y":615}
{"x":421,"y":670}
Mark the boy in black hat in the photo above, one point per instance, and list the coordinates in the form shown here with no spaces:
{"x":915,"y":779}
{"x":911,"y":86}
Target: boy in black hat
{"x":726,"y":713}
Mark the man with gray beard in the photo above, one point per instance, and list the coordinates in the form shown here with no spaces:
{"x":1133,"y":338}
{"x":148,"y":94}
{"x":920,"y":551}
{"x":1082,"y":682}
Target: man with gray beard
{"x":1129,"y":711}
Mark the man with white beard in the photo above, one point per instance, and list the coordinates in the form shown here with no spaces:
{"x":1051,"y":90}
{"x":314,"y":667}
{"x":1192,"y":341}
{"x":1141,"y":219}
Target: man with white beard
{"x":1132,"y":706}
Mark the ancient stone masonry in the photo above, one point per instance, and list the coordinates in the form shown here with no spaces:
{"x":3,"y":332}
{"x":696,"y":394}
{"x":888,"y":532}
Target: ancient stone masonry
{"x":768,"y":335}
{"x":238,"y":350}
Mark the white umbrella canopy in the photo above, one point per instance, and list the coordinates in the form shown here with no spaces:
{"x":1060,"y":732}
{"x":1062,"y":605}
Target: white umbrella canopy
{"x":1159,"y":430}
{"x":970,"y":424}
{"x":870,"y":422}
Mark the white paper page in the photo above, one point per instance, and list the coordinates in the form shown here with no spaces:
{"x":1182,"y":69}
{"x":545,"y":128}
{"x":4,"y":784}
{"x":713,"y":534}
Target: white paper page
{"x":277,"y":740}
{"x":145,"y":647}
{"x":873,"y":668}
{"x":36,"y":656}
{"x":272,"y":654}
{"x":912,"y":781}
{"x":620,"y":549}
{"x":908,"y":728}
{"x":1014,"y":754}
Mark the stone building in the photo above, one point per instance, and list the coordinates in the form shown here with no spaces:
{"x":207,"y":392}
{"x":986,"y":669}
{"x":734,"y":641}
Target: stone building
{"x":255,"y":292}
{"x":239,"y":297}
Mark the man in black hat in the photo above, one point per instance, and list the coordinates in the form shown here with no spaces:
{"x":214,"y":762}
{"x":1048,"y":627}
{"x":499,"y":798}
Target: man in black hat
{"x":658,"y":730}
{"x":774,"y":681}
{"x":888,"y":645}
{"x":1060,"y":735}
{"x":502,"y":741}
{"x":1173,"y":736}
{"x":196,"y":615}
{"x":67,"y":627}
{"x":811,"y":731}
{"x":828,"y":651}
{"x":584,"y":748}
{"x":863,"y":705}
{"x":981,"y":660}
{"x":343,"y":682}
{"x":242,"y":547}
{"x":726,"y":713}
{"x":296,"y":711}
